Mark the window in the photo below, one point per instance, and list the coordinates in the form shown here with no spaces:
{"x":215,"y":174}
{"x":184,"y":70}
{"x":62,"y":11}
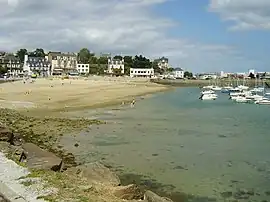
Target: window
{"x":82,"y":65}
{"x":79,"y":65}
{"x":131,"y":72}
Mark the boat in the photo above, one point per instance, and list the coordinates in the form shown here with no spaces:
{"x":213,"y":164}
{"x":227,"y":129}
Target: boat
{"x":264,"y":101}
{"x":208,"y":87}
{"x":241,"y":99}
{"x":210,"y":96}
{"x":242,"y":87}
{"x":216,"y":88}
{"x":207,"y":92}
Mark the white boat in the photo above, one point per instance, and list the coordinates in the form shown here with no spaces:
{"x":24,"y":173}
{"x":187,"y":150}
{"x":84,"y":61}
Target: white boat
{"x":241,"y":99}
{"x":264,"y":101}
{"x":216,"y":88}
{"x":242,"y":87}
{"x":207,"y":92}
{"x":211,"y":96}
{"x":258,"y":90}
{"x":208,"y":87}
{"x":254,"y":97}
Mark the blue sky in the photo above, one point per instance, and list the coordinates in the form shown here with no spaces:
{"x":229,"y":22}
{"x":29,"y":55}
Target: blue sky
{"x":197,"y":35}
{"x":198,"y":24}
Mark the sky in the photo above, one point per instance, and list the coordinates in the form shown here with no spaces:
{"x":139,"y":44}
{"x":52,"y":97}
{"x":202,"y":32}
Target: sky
{"x":197,"y":35}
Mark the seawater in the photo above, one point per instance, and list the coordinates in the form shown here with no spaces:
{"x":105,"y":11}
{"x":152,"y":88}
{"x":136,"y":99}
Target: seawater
{"x":189,"y":149}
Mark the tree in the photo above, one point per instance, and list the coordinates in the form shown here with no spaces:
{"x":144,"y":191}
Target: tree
{"x":141,"y":62}
{"x":3,"y":69}
{"x":118,"y":57}
{"x":117,"y":71}
{"x":103,"y":60}
{"x":251,"y":75}
{"x":39,"y":52}
{"x":84,"y":56}
{"x":21,"y":53}
{"x":128,"y":61}
{"x":188,"y":74}
{"x":156,"y":67}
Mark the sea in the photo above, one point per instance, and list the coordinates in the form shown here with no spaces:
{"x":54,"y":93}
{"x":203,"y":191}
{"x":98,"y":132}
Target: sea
{"x":182,"y":147}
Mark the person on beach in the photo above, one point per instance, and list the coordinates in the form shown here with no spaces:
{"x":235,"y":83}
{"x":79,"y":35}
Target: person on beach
{"x":132,"y":103}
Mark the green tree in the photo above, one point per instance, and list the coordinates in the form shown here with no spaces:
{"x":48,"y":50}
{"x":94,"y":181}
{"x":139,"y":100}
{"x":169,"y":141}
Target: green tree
{"x":156,"y":67}
{"x":141,"y":62}
{"x":251,"y":75}
{"x":21,"y":53}
{"x":118,"y":57}
{"x":39,"y":52}
{"x":103,"y":60}
{"x":128,"y":61}
{"x":117,"y":71}
{"x":3,"y":69}
{"x":84,"y":56}
{"x":188,"y":74}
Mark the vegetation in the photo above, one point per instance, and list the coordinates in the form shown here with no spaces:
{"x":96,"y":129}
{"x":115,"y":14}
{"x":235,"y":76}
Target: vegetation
{"x":188,"y":74}
{"x":98,"y":64}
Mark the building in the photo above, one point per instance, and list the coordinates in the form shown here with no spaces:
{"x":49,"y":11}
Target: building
{"x":163,"y":63}
{"x":37,"y":65}
{"x":138,"y":72}
{"x":62,"y":62}
{"x":83,"y":68}
{"x":116,"y":64}
{"x":178,"y":73}
{"x":207,"y":76}
{"x":12,"y":64}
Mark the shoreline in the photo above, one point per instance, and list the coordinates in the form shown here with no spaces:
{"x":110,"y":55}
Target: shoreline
{"x":33,"y":128}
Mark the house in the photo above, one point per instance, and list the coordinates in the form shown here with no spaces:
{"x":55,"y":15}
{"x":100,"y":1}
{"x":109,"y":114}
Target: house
{"x":138,"y":72}
{"x":83,"y":68}
{"x":163,"y":63}
{"x":62,"y":62}
{"x":178,"y":73}
{"x":207,"y":76}
{"x":12,"y":64}
{"x":116,"y":64}
{"x":37,"y":65}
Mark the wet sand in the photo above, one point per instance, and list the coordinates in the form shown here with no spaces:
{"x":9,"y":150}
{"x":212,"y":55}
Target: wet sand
{"x":55,"y":95}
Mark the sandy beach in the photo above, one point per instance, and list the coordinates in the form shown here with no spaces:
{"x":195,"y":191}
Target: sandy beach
{"x":54,"y":95}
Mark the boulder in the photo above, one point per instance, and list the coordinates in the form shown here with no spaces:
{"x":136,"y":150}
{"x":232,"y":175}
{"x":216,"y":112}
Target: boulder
{"x":128,"y":192}
{"x":150,"y":196}
{"x":6,"y":134}
{"x":96,"y":172}
{"x":38,"y":158}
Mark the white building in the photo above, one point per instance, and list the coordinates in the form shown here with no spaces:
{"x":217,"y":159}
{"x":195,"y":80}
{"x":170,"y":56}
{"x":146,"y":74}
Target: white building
{"x":37,"y":65}
{"x":178,"y":73}
{"x":139,"y":72}
{"x":83,"y":68}
{"x":115,"y":64}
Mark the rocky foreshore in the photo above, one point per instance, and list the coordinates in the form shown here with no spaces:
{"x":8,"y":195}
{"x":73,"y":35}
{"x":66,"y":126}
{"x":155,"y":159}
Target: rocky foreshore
{"x":32,"y":144}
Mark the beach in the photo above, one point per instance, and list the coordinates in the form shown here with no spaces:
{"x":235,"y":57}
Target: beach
{"x":55,"y":95}
{"x":35,"y":112}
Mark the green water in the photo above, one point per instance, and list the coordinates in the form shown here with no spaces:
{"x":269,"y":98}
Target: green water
{"x":205,"y":149}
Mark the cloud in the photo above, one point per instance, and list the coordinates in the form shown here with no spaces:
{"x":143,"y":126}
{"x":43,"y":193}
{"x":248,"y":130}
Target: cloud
{"x":245,"y":14}
{"x":116,"y":26}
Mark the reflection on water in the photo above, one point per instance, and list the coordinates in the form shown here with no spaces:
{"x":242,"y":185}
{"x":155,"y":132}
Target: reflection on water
{"x":215,"y":150}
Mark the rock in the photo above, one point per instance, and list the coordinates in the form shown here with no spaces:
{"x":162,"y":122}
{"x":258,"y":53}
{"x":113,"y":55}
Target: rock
{"x":17,"y":140}
{"x":150,"y":196}
{"x":40,"y":159}
{"x":96,"y":172}
{"x":128,"y":192}
{"x":6,"y":135}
